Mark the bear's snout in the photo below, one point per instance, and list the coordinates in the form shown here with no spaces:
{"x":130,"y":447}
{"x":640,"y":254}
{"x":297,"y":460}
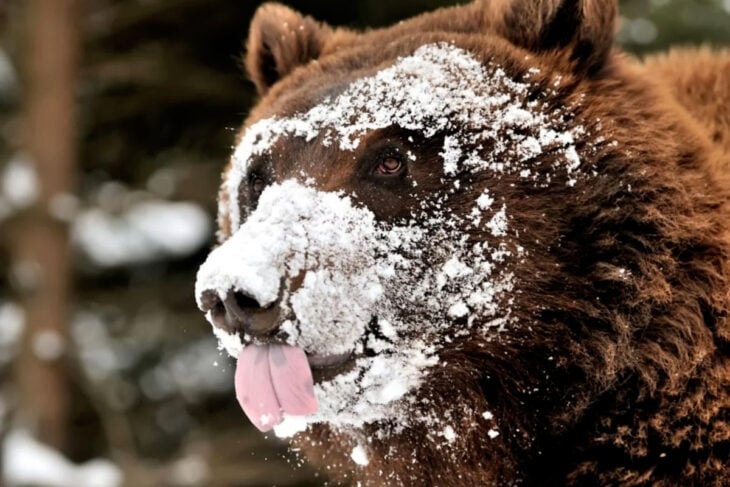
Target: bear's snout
{"x":239,"y":313}
{"x":303,"y":268}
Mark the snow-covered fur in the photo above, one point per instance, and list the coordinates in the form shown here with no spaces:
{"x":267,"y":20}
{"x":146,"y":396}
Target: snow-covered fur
{"x":521,"y":236}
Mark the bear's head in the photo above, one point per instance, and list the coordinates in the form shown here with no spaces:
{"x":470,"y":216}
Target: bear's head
{"x":468,"y":227}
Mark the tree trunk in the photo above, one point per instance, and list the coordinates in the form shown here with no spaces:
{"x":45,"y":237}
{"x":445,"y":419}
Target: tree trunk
{"x":42,"y":260}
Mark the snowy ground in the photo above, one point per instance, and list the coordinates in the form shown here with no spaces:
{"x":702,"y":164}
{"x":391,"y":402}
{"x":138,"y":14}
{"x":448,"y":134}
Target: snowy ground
{"x":27,"y":462}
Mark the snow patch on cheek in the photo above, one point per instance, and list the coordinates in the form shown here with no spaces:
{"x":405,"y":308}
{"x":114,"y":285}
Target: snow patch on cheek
{"x":498,"y":224}
{"x":334,"y":309}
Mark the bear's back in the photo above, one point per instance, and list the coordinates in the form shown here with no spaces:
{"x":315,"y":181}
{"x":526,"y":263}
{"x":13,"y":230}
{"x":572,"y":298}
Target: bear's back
{"x":699,"y":79}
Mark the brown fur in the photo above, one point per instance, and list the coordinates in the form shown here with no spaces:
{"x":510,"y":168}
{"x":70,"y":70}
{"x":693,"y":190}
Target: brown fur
{"x":698,"y":79}
{"x":618,"y":379}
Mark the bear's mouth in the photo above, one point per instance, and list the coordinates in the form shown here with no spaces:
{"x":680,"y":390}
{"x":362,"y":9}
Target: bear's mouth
{"x":326,"y":367}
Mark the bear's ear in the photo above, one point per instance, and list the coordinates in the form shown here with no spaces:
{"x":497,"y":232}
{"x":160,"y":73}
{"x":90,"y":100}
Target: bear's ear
{"x":279,"y":40}
{"x":585,"y":28}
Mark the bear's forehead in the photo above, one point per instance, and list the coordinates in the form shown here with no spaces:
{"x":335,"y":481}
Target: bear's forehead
{"x":439,"y":88}
{"x":375,"y":74}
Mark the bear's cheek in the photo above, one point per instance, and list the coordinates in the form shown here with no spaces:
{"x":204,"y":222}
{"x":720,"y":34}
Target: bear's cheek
{"x":333,"y":308}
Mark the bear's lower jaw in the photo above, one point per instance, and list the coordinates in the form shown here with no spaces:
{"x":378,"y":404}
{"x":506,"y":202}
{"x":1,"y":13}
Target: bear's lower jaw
{"x":327,"y":367}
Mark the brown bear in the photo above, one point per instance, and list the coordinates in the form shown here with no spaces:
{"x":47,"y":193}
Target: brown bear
{"x":481,"y":247}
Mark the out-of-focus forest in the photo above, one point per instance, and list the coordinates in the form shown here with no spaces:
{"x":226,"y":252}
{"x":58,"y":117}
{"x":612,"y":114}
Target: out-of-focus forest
{"x":116,"y":118}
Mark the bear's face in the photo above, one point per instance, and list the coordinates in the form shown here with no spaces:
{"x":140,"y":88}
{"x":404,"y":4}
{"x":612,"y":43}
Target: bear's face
{"x":475,"y":232}
{"x":389,"y":215}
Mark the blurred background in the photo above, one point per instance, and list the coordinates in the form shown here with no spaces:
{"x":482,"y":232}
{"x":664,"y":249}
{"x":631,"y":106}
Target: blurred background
{"x":116,"y":118}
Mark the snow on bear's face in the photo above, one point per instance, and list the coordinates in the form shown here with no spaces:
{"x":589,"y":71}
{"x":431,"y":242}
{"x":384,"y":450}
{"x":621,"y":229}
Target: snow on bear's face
{"x":377,"y":227}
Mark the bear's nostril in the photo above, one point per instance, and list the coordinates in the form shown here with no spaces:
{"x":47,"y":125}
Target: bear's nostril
{"x":245,"y":302}
{"x":240,"y":306}
{"x":211,"y":303}
{"x":209,"y":300}
{"x":244,"y":313}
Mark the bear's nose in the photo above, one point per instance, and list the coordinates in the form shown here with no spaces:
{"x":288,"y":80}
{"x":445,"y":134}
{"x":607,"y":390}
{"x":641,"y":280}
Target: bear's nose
{"x":240,"y":313}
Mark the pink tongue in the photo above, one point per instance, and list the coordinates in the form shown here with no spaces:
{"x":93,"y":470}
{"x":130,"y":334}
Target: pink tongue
{"x":271,"y":380}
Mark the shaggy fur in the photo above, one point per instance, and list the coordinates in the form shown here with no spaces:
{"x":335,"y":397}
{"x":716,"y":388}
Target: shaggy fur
{"x":619,"y":372}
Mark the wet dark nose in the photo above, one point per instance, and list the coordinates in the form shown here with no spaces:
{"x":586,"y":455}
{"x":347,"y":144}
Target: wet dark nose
{"x":240,"y":313}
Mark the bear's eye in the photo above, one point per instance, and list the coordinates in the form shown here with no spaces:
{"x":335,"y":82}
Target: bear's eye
{"x":257,"y":185}
{"x":389,"y":166}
